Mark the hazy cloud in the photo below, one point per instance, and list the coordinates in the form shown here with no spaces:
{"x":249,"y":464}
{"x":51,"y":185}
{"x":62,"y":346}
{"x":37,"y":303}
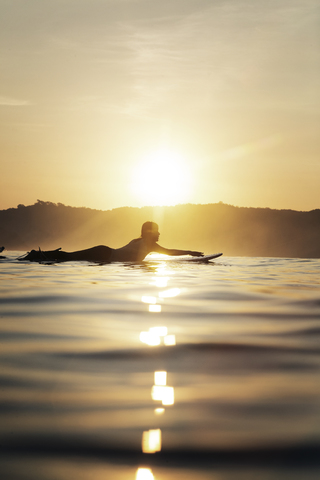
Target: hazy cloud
{"x":13,"y":102}
{"x":265,"y":53}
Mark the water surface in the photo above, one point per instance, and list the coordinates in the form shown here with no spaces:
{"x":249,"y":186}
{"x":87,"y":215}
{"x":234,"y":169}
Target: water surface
{"x":240,"y":347}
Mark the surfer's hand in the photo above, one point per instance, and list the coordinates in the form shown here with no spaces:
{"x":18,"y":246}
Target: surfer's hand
{"x":195,"y":254}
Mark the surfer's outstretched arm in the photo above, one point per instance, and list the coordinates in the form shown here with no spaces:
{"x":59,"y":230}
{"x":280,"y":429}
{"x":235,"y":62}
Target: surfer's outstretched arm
{"x":174,"y":252}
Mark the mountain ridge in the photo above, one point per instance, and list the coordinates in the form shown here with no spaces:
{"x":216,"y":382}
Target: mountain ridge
{"x":235,"y":231}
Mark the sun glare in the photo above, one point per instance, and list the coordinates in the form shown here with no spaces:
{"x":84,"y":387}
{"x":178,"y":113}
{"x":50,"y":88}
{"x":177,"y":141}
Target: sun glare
{"x":163,"y":178}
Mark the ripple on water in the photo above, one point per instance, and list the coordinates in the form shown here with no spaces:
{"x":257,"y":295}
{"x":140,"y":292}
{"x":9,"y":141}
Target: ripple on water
{"x":76,"y":379}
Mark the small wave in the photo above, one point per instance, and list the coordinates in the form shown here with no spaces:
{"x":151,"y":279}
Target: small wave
{"x":174,"y":351}
{"x":298,"y":455}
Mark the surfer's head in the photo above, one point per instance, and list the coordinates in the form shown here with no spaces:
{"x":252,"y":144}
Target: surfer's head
{"x":150,"y":230}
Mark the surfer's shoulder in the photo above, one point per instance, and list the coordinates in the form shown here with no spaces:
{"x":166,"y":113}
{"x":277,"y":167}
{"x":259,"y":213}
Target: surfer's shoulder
{"x":136,"y":240}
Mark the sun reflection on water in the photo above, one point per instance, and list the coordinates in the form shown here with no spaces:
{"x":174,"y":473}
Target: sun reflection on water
{"x":169,"y":340}
{"x":151,"y":339}
{"x":155,"y":336}
{"x":163,"y":394}
{"x":172,"y":292}
{"x":160,"y":378}
{"x":155,"y":308}
{"x":151,"y":441}
{"x":160,"y":282}
{"x":161,"y":331}
{"x":144,"y":474}
{"x":148,"y":299}
{"x":159,"y":411}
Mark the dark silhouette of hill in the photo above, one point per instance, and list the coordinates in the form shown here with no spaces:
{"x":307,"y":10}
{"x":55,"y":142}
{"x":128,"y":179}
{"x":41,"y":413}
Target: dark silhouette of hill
{"x":209,"y":228}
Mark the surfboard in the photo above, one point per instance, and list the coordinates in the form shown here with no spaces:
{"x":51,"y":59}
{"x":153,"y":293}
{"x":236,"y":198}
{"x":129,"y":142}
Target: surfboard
{"x":204,"y":258}
{"x":182,"y":259}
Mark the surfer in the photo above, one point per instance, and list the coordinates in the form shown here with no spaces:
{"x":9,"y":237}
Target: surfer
{"x":134,"y":251}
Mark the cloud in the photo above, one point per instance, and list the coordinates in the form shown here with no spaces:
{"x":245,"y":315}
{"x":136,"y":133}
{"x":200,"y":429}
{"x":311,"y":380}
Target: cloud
{"x":13,"y":102}
{"x":224,"y":53}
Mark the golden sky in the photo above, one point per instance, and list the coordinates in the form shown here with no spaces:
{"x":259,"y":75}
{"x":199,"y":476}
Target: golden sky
{"x":109,"y":103}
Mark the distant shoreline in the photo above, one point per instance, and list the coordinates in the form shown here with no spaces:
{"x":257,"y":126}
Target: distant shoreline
{"x":235,"y":231}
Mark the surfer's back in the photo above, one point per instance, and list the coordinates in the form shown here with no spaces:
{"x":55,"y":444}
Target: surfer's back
{"x":134,"y":251}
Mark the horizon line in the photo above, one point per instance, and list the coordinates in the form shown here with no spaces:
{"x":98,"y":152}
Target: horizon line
{"x":59,"y":204}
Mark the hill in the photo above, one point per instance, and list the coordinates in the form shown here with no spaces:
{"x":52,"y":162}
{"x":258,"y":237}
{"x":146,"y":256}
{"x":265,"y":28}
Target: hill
{"x":209,"y":228}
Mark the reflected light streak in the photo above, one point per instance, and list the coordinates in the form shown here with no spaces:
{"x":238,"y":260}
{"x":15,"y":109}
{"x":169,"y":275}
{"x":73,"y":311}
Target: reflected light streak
{"x":157,"y":392}
{"x":160,"y":282}
{"x":144,"y":474}
{"x":148,"y":299}
{"x":160,"y":378}
{"x":169,"y":340}
{"x":155,"y":308}
{"x":152,"y":337}
{"x":169,"y":396}
{"x":161,"y":331}
{"x":149,"y":338}
{"x":172,"y":292}
{"x":159,"y":411}
{"x":162,"y":271}
{"x":163,"y":394}
{"x":151,"y":441}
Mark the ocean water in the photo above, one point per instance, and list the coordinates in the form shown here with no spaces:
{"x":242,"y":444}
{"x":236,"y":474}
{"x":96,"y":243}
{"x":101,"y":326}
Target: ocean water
{"x":236,"y":340}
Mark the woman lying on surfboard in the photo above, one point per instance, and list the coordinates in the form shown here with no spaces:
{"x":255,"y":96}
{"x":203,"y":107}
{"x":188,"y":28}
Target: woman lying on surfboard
{"x":135,"y":251}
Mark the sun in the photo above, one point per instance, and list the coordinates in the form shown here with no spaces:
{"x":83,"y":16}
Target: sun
{"x":163,"y":178}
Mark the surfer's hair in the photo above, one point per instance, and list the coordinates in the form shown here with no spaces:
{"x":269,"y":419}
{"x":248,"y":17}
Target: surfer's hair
{"x":149,"y":227}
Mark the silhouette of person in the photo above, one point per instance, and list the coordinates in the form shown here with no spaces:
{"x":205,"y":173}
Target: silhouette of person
{"x":134,"y":251}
